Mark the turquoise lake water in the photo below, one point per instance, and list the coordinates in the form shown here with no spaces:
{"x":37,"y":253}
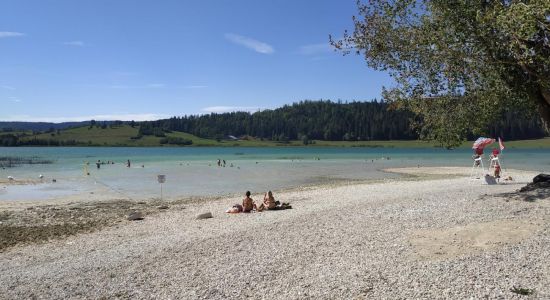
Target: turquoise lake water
{"x":194,"y":171}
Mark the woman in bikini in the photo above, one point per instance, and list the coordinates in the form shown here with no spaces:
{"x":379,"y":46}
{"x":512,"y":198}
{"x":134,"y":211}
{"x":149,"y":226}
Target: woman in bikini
{"x":269,"y":201}
{"x":248,"y":203}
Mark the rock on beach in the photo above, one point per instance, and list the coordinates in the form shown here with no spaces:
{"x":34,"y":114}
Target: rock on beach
{"x":206,"y":215}
{"x":135,"y":216}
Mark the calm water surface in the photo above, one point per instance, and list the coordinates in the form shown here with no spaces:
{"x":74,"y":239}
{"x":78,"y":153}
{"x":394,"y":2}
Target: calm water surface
{"x":194,"y":171}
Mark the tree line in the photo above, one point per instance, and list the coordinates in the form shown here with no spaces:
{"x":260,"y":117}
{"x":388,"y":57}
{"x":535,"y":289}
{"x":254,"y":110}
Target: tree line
{"x":327,"y":120}
{"x":12,"y":140}
{"x":306,"y":121}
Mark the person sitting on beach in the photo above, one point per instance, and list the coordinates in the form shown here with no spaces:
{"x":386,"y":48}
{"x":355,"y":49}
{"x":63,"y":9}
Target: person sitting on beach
{"x":270,"y":203}
{"x":269,"y":200}
{"x":248,"y":203}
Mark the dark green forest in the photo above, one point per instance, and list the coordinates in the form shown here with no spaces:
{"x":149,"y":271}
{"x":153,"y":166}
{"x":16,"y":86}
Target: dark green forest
{"x":305,"y":121}
{"x":326,"y":120}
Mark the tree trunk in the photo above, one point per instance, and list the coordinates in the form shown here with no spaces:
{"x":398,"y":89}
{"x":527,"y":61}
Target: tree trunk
{"x":544,"y":108}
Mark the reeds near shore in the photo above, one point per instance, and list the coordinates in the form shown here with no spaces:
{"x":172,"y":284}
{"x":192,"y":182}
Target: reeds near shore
{"x":14,"y":161}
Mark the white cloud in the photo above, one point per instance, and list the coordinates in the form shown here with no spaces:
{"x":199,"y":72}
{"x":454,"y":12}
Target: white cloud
{"x":117,"y":86}
{"x":315,"y":49}
{"x":195,"y":86}
{"x":250,"y":43}
{"x":112,"y":117}
{"x":125,"y":73}
{"x":7,"y":34}
{"x":14,"y":99}
{"x":156,"y":85}
{"x":317,"y":58}
{"x":223,"y":109}
{"x":146,"y":86}
{"x":7,"y":87}
{"x":75,"y":43}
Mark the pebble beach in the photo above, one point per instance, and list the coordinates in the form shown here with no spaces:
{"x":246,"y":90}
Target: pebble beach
{"x":432,"y":234}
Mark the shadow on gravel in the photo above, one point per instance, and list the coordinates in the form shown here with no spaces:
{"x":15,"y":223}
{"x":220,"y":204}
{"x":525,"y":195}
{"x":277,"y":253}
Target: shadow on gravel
{"x":529,"y":196}
{"x":537,"y":190}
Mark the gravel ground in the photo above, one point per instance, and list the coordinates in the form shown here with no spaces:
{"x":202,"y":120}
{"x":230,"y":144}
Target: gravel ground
{"x":433,"y":238}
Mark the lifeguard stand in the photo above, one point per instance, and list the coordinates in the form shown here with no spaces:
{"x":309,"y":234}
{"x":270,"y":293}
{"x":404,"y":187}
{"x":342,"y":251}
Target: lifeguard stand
{"x":478,"y":170}
{"x":493,"y":161}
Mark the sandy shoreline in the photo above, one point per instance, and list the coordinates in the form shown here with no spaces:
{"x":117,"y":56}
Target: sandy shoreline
{"x":439,"y":235}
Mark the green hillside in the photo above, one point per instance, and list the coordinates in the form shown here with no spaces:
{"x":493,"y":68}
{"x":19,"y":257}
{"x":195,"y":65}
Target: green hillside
{"x":121,"y":135}
{"x":125,"y":135}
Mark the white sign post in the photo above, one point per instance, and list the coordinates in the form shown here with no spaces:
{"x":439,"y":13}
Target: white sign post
{"x":161,"y":179}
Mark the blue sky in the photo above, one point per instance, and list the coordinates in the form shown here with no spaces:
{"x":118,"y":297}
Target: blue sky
{"x":65,"y":60}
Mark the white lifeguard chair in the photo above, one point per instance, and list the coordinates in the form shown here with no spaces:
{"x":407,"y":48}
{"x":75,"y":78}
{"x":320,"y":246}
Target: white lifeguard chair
{"x":478,"y":170}
{"x":493,"y":161}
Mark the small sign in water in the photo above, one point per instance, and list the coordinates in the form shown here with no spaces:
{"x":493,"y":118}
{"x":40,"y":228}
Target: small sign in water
{"x":161,"y":179}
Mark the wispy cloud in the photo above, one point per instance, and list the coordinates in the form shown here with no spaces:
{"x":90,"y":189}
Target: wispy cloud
{"x":315,"y":49}
{"x":119,"y":86}
{"x":75,"y":43}
{"x":14,"y":99}
{"x":155,"y":85}
{"x":250,"y":43}
{"x":195,"y":86}
{"x":124,"y":74}
{"x":145,"y":86}
{"x":7,"y":87}
{"x":112,"y":117}
{"x":8,"y":34}
{"x":223,"y":109}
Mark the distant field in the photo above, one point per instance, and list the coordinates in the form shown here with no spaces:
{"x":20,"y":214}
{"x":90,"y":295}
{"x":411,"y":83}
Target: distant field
{"x":538,"y":143}
{"x":122,"y":136}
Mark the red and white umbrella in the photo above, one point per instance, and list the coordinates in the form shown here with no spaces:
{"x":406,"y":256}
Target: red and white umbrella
{"x":482,"y":142}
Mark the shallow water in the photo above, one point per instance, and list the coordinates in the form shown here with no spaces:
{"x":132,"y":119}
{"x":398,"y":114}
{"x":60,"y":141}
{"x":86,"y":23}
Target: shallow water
{"x":194,"y":171}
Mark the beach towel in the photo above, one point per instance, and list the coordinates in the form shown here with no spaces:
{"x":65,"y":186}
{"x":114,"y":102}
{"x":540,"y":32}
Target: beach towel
{"x":237,"y":208}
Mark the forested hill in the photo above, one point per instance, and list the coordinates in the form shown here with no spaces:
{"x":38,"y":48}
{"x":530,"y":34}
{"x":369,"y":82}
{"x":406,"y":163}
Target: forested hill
{"x":39,"y":126}
{"x":326,"y":120}
{"x":321,"y":120}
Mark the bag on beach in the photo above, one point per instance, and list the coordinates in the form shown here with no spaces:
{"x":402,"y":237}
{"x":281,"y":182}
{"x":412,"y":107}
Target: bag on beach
{"x":237,"y":208}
